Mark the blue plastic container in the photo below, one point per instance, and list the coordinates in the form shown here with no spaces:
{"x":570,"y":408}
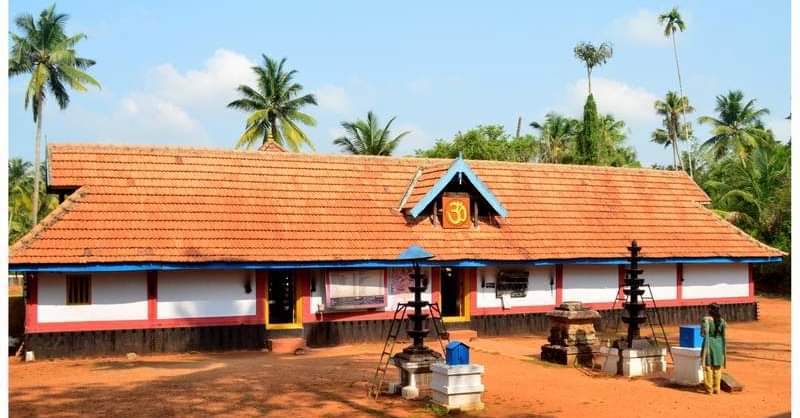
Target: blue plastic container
{"x":690,"y":336}
{"x":456,"y":353}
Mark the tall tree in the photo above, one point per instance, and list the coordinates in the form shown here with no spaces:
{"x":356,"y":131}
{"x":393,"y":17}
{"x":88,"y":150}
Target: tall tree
{"x":274,"y":105}
{"x":43,"y":50}
{"x":557,"y":138}
{"x":367,"y":137}
{"x":738,"y":128}
{"x":588,"y":141}
{"x":593,"y":56}
{"x":671,"y":109}
{"x":673,"y":22}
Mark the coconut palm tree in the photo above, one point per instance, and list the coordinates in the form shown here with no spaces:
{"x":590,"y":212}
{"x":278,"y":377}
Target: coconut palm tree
{"x":671,"y":109}
{"x":738,"y":128}
{"x":48,"y":54}
{"x":593,"y":56}
{"x":673,"y":22}
{"x":750,"y":194}
{"x":274,"y":105}
{"x":557,"y":135}
{"x":366,"y":137}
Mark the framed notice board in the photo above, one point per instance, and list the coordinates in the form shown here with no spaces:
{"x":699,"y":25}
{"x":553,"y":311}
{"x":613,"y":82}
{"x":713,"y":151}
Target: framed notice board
{"x":353,"y":290}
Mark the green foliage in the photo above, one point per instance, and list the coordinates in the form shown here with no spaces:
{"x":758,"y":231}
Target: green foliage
{"x":20,"y":203}
{"x":756,"y":195}
{"x":738,"y":128}
{"x":489,"y":142}
{"x":556,"y":142}
{"x":48,"y":54}
{"x":593,"y":56}
{"x":673,"y":131}
{"x":588,"y":141}
{"x":672,"y":22}
{"x":368,"y":138}
{"x":274,"y":105}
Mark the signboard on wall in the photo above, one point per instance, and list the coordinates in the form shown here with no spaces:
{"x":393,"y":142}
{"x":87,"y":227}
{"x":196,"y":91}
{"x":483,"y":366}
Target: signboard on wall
{"x":455,"y":210}
{"x":349,"y":290}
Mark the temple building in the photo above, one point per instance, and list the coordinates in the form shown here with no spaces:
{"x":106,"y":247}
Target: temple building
{"x":158,"y":249}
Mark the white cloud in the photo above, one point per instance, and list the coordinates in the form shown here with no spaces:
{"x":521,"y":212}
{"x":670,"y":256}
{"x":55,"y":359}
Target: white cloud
{"x":641,"y":28}
{"x":629,"y":103}
{"x":333,"y":98}
{"x":213,"y":85}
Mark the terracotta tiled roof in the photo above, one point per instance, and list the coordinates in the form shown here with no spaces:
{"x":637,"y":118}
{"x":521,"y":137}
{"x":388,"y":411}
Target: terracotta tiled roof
{"x":136,"y":204}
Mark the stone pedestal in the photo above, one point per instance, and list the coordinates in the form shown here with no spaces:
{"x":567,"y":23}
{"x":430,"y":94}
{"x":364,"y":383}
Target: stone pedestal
{"x":642,"y":359}
{"x":571,"y":334}
{"x":687,"y":370}
{"x":457,"y":387}
{"x":415,"y":373}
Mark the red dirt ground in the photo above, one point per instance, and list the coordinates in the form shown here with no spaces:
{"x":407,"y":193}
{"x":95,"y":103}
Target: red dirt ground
{"x":333,"y":382}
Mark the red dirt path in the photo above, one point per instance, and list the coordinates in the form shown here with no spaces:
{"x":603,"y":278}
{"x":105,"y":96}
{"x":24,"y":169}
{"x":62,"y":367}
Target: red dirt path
{"x":333,"y":382}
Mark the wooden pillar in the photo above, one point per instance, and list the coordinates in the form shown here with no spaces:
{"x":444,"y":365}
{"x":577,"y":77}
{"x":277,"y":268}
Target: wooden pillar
{"x":751,"y":281}
{"x":559,"y":284}
{"x":302,"y":285}
{"x":436,"y":285}
{"x":152,"y":295}
{"x":31,"y":301}
{"x":261,"y":296}
{"x":679,"y":283}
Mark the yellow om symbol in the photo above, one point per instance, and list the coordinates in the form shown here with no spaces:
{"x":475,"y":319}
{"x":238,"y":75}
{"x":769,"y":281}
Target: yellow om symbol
{"x":456,"y":212}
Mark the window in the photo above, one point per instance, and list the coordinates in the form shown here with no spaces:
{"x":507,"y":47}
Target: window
{"x":356,"y":289}
{"x":79,"y":289}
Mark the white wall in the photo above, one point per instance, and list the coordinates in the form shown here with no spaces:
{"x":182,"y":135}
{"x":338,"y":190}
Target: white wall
{"x":539,"y":291}
{"x":115,"y":297}
{"x":205,"y":293}
{"x":662,"y":279}
{"x":703,"y":281}
{"x":590,"y":283}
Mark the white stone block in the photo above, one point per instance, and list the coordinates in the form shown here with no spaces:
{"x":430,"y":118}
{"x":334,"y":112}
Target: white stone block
{"x":608,"y":358}
{"x":410,"y":392}
{"x":688,"y":370}
{"x":644,"y":362}
{"x":29,"y":356}
{"x":457,"y":387}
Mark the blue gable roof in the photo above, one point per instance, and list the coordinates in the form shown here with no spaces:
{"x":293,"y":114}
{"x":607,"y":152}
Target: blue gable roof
{"x":460,"y":168}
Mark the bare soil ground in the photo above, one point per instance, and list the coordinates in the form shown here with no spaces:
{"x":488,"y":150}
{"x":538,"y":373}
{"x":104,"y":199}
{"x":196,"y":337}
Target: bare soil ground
{"x":333,"y":382}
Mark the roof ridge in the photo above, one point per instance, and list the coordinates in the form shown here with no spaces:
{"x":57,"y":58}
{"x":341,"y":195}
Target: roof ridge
{"x":315,"y":155}
{"x":52,"y":218}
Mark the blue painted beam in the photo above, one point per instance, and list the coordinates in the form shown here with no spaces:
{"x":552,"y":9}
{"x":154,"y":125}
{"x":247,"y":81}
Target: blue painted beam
{"x":366,"y":264}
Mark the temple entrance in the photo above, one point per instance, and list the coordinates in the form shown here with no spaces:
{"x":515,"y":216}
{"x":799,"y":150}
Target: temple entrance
{"x":281,"y":298}
{"x":454,"y":292}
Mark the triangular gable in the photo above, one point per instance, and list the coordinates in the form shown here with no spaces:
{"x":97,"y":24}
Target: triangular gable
{"x":459,"y":167}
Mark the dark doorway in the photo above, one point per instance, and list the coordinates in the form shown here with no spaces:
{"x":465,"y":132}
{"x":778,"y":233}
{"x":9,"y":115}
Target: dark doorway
{"x":452,"y":292}
{"x":280,"y":296}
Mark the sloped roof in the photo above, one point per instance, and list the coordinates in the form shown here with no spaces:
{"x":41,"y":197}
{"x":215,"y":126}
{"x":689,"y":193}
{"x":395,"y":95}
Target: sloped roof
{"x":155,"y":204}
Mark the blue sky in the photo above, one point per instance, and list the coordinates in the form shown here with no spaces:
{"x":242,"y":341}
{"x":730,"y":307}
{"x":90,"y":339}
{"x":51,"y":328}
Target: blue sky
{"x":169,"y":68}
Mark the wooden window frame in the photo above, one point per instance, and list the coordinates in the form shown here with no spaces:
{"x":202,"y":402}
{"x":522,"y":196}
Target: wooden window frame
{"x":68,"y":281}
